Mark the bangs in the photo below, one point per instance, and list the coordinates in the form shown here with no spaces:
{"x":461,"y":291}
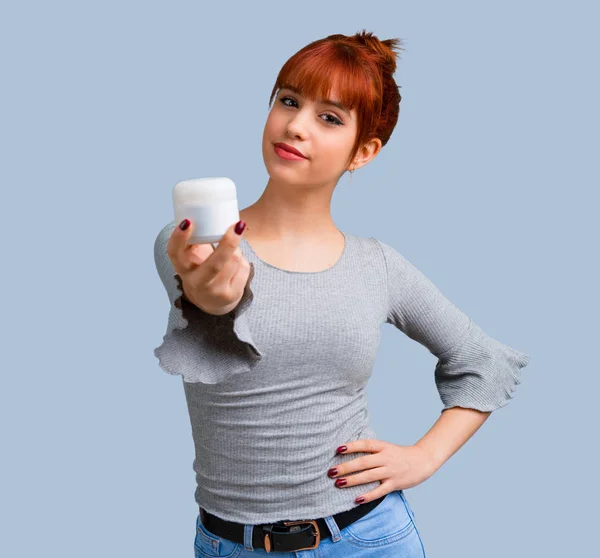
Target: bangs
{"x":328,"y":74}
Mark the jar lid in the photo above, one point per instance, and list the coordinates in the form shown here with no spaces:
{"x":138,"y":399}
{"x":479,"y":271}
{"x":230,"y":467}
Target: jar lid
{"x":203,"y":191}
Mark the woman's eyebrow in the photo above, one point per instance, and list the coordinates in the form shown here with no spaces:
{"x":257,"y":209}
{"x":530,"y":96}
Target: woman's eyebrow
{"x":323,"y":101}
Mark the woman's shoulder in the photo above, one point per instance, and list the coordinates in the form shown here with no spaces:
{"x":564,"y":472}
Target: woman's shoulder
{"x":366,"y":245}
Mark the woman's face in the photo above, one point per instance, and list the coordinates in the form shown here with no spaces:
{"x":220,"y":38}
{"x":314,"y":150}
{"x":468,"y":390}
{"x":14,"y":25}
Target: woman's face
{"x":322,"y":132}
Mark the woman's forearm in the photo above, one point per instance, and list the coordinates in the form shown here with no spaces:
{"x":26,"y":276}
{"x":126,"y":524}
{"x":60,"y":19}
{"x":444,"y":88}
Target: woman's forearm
{"x":450,"y":432}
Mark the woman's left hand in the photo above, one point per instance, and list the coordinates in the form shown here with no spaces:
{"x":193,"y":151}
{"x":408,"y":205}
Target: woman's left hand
{"x":397,"y":467}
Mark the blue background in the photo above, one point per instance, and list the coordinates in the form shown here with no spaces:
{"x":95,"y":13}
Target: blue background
{"x":488,"y":185}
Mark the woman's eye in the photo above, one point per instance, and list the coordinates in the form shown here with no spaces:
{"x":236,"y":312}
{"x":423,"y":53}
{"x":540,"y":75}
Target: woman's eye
{"x":335,"y":122}
{"x":283,"y":99}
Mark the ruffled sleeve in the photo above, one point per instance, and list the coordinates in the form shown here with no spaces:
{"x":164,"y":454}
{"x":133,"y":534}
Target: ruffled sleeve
{"x":473,"y":370}
{"x":199,"y":346}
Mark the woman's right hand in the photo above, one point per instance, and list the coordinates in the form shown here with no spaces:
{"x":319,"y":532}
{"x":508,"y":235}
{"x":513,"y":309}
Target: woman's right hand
{"x":212,"y":279}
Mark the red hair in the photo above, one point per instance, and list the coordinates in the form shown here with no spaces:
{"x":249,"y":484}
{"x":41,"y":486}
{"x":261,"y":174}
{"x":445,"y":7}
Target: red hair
{"x":360,"y":69}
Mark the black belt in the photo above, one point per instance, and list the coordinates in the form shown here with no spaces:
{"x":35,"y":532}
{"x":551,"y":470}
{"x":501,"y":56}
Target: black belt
{"x":285,"y":536}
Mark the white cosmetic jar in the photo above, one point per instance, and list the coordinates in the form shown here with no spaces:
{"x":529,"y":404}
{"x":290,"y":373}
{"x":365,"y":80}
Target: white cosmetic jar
{"x":210,"y":204}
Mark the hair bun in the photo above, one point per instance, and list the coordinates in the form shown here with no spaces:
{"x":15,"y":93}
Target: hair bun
{"x":387,"y":49}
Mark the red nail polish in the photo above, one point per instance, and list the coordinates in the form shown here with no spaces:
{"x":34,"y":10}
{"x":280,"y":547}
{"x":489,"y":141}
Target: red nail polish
{"x":341,"y":449}
{"x":341,"y":482}
{"x":360,"y":500}
{"x":239,"y":227}
{"x":184,"y":224}
{"x":332,"y":472}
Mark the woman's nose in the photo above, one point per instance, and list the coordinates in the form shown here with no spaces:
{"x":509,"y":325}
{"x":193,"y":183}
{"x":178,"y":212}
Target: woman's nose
{"x":296,"y":127}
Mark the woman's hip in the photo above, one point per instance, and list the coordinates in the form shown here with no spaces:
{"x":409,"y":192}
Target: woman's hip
{"x":387,"y":530}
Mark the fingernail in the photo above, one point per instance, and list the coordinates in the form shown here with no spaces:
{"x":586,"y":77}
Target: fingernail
{"x":341,"y":482}
{"x":341,"y":449}
{"x":360,"y":500}
{"x":184,"y":224}
{"x":239,"y":227}
{"x":332,"y":472}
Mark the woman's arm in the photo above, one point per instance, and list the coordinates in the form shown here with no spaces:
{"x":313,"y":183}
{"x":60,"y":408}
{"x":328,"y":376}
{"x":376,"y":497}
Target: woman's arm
{"x":450,"y":432}
{"x":474,"y":370}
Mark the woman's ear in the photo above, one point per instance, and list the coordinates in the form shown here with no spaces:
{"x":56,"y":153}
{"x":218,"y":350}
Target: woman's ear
{"x":366,"y":153}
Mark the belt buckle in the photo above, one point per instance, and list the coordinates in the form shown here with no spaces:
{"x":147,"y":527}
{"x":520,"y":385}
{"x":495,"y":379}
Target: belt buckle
{"x":316,"y":533}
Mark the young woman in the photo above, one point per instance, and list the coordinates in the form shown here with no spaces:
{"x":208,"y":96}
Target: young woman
{"x":275,"y":334}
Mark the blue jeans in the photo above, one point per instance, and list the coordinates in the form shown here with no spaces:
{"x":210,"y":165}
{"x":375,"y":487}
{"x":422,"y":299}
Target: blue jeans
{"x":386,"y":531}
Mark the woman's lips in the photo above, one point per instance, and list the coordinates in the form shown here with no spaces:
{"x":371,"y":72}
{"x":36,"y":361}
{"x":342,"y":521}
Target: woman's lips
{"x":287,"y":155}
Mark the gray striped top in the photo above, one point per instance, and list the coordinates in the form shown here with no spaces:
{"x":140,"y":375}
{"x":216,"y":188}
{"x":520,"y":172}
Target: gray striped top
{"x":276,"y":385}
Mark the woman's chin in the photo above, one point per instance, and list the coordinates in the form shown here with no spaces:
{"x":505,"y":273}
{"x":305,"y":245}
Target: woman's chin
{"x":283,"y":172}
